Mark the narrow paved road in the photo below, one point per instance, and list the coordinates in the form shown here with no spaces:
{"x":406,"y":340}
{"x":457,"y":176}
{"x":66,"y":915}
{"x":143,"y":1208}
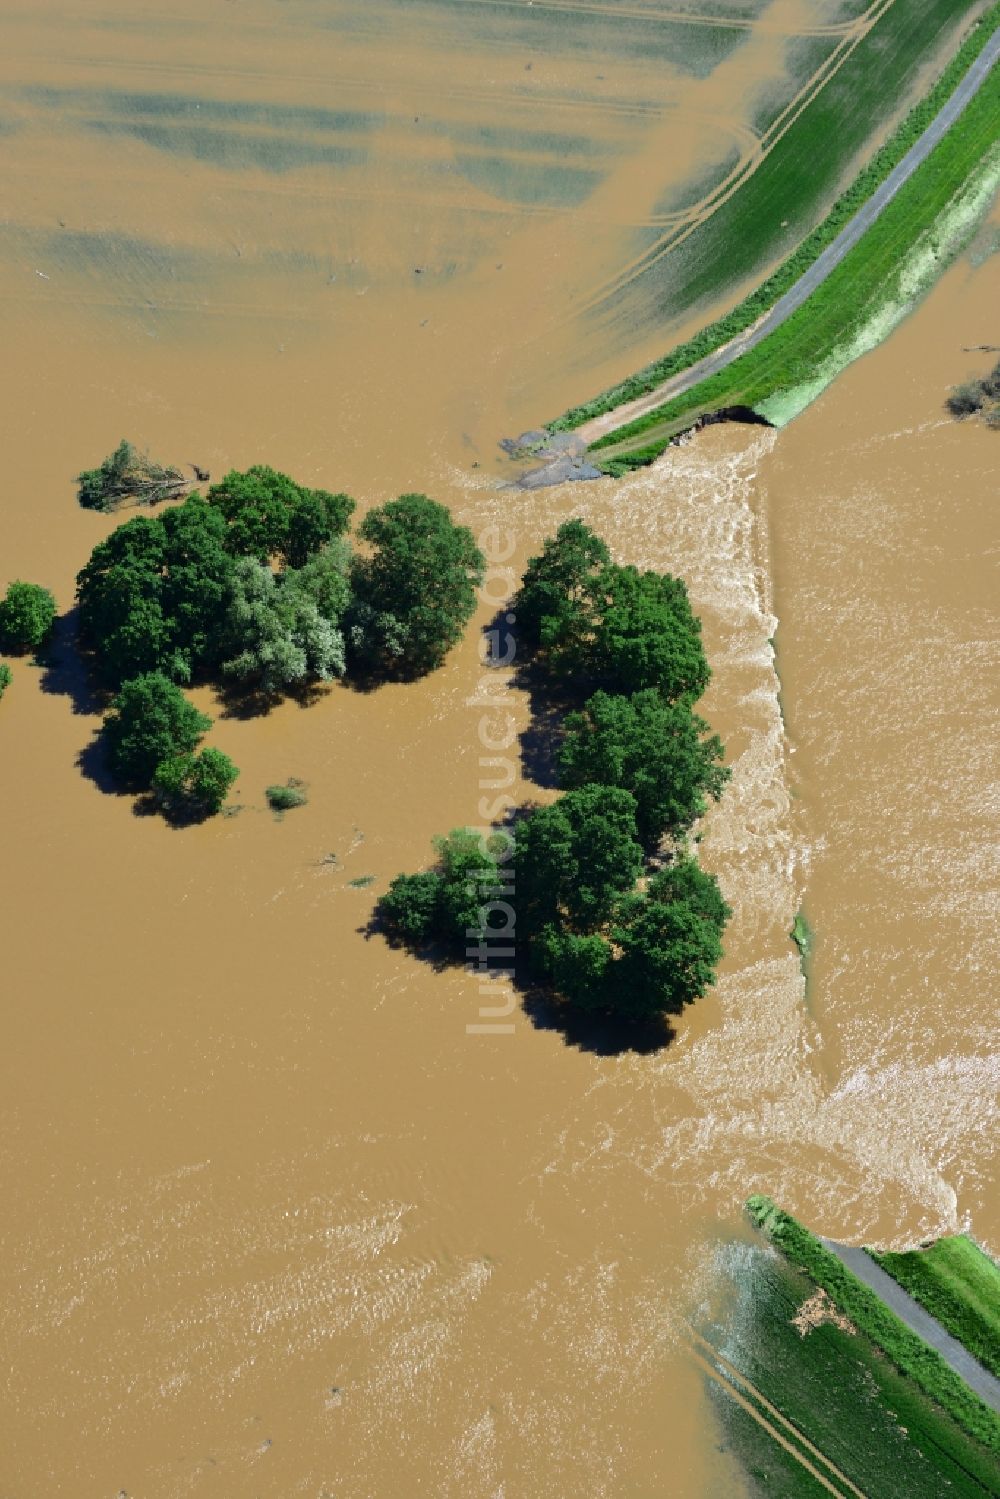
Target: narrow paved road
{"x":821,"y":267}
{"x":920,"y":1322}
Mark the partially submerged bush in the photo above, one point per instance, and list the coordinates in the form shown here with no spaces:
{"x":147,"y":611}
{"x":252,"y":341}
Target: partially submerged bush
{"x":27,"y":614}
{"x":126,"y":474}
{"x":974,"y":395}
{"x":284,"y":798}
{"x":6,"y":677}
{"x":451,"y":902}
{"x":965,"y":399}
{"x":194,"y":786}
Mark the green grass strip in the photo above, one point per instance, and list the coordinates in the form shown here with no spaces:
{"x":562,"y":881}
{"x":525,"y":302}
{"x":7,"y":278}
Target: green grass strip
{"x":841,"y":306}
{"x":763,"y":299}
{"x":960,"y":1286}
{"x":910,"y":1354}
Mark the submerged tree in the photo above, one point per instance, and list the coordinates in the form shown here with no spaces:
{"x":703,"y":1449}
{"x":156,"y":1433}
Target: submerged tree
{"x":590,"y":619}
{"x":27,"y":614}
{"x":668,"y":942}
{"x":649,"y":636}
{"x":153,"y":595}
{"x":659,"y":751}
{"x":416,"y":590}
{"x":128,"y":474}
{"x":269,"y":515}
{"x":194,"y":785}
{"x":573,"y":859}
{"x":559,"y":601}
{"x":274,"y":636}
{"x":451,"y":902}
{"x":148,"y":723}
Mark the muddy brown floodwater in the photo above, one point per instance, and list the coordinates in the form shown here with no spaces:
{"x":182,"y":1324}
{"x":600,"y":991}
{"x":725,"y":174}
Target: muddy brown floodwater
{"x":275,"y":1223}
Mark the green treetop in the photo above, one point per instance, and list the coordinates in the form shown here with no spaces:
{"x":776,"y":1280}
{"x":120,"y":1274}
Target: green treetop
{"x":274,"y":636}
{"x":559,"y":599}
{"x":648,"y":636}
{"x":450,"y":902}
{"x":27,"y":614}
{"x":194,"y":785}
{"x":149,"y":722}
{"x":591,"y":619}
{"x":661,"y":752}
{"x":416,"y":590}
{"x":573,"y":860}
{"x":269,"y":515}
{"x":669,"y":941}
{"x":153,"y":594}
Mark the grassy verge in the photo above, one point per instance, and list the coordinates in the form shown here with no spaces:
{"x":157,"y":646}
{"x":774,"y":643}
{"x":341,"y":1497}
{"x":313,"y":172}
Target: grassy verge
{"x":872,"y":1425}
{"x":960,"y":1286}
{"x":910,"y":1354}
{"x":875,"y":276}
{"x":753,"y":307}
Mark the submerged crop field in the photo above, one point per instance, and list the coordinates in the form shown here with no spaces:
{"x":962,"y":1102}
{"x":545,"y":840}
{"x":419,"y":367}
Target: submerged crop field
{"x":803,"y":155}
{"x":875,"y":283}
{"x":747,"y":312}
{"x":810,"y":1404}
{"x":645,"y":146}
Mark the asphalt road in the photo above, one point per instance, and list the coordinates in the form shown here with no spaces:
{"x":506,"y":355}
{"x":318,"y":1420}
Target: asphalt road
{"x":821,"y":267}
{"x":921,"y":1322}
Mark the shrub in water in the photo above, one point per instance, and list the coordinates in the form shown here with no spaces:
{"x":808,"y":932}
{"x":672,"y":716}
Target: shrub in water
{"x":283,"y":798}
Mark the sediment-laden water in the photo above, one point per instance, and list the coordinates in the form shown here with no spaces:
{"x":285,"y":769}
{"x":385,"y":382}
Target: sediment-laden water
{"x":275,"y":1222}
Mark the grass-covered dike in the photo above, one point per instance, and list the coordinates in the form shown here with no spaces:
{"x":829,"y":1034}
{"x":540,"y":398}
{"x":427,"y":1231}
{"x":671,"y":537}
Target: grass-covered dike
{"x":960,"y":1286}
{"x":910,"y":1355}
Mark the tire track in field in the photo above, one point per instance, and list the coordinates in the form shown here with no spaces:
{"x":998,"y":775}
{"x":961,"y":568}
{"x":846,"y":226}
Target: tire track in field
{"x":684,"y":17}
{"x":742,"y":173}
{"x":746,"y":1403}
{"x":735,"y":1376}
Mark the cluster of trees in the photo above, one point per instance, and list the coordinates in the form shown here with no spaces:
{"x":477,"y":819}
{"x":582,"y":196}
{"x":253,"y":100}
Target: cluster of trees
{"x":255,"y":584}
{"x":611,"y":908}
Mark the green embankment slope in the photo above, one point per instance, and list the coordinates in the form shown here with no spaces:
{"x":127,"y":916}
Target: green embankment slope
{"x":910,"y":1355}
{"x":960,"y":1286}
